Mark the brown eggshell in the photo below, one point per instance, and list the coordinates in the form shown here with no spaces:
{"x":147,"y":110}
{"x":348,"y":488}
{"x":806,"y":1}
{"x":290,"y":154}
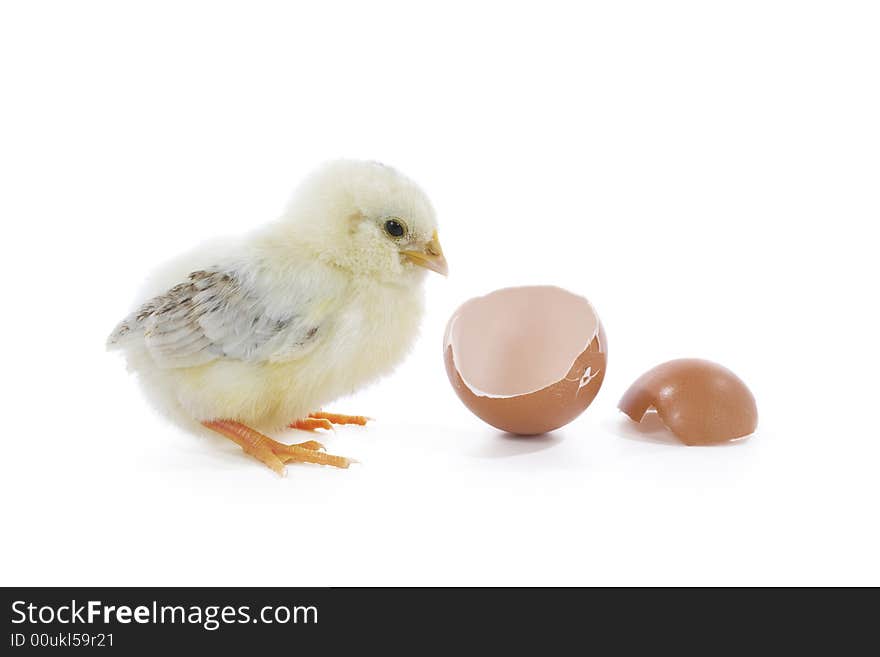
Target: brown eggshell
{"x":526,"y":360}
{"x":700,"y":401}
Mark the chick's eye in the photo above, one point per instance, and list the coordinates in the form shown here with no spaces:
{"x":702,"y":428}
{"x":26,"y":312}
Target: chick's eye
{"x":394,"y":228}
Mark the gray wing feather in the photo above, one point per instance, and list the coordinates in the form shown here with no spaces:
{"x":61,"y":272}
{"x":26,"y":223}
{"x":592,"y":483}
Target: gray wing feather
{"x":214,"y":315}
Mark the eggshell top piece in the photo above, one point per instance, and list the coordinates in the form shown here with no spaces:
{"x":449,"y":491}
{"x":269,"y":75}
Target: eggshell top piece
{"x":700,"y":401}
{"x":528,"y":359}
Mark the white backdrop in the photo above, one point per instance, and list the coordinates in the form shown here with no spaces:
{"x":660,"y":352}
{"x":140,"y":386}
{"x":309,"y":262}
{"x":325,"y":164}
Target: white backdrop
{"x":705,"y":173}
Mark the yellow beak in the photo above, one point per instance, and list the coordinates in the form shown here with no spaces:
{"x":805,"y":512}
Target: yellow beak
{"x":432,"y":258}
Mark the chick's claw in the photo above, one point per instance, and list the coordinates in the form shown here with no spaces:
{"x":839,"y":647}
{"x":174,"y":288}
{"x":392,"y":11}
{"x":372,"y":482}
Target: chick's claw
{"x":271,"y":452}
{"x":311,"y":444}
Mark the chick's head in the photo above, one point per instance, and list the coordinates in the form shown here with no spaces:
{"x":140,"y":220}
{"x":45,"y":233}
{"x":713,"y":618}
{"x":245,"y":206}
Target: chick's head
{"x":368,"y":219}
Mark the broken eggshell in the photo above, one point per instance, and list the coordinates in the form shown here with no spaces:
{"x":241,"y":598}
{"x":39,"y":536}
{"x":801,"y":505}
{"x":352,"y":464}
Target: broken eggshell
{"x":701,"y":402}
{"x":526,"y":360}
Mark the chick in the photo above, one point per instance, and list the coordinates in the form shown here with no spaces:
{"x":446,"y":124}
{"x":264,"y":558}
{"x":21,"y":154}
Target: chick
{"x":254,"y":336}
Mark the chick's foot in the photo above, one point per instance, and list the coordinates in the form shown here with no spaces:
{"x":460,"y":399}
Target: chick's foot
{"x":338,"y":418}
{"x":322,"y":420}
{"x":311,"y":424}
{"x":271,"y":452}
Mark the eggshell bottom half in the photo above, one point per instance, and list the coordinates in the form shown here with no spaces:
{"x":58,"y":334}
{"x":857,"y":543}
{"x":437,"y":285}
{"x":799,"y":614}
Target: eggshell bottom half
{"x":526,"y":360}
{"x":701,"y":402}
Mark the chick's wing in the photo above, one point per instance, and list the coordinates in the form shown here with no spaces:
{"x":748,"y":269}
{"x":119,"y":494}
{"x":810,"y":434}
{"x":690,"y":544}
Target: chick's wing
{"x":217,"y":314}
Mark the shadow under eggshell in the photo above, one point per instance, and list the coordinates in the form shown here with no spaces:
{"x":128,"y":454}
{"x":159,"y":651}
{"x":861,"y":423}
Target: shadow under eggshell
{"x":548,"y":407}
{"x":701,"y":402}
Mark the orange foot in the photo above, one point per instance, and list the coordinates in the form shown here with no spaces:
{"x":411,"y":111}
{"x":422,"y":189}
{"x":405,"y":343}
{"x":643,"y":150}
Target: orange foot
{"x":271,"y":452}
{"x":326,"y":421}
{"x":336,"y":418}
{"x":311,"y":424}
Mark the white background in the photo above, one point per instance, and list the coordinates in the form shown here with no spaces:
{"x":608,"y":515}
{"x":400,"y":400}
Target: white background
{"x":706,"y":173}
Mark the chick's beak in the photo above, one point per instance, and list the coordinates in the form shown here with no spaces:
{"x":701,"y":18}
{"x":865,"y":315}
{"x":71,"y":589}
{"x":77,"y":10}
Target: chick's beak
{"x":431,"y":258}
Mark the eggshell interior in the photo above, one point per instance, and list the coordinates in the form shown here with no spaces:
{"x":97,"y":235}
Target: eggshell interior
{"x":518,"y":340}
{"x":527,"y":359}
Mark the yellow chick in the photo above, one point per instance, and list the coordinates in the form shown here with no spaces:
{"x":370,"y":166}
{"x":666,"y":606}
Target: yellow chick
{"x":257,"y":335}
